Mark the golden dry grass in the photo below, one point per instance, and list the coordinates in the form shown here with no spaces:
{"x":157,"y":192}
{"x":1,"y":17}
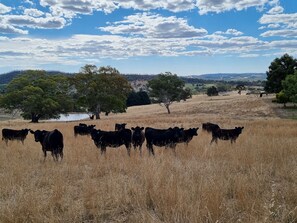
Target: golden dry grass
{"x":253,"y":180}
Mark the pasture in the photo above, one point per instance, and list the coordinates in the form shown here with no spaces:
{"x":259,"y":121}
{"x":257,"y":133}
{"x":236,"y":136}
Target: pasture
{"x":252,"y":180}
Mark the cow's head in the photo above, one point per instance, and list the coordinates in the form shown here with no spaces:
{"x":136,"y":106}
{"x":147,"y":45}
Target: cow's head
{"x":38,"y":135}
{"x":119,"y":127}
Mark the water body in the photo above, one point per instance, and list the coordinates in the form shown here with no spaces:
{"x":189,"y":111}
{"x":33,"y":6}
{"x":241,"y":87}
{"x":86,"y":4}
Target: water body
{"x":71,"y":117}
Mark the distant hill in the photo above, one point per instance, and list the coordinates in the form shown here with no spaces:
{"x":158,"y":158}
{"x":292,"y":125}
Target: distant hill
{"x":232,"y":76}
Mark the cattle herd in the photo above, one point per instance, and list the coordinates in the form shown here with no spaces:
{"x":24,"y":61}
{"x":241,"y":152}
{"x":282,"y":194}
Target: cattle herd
{"x":52,"y":141}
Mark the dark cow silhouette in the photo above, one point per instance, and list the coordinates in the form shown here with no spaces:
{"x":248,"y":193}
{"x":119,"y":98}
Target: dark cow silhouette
{"x":11,"y":134}
{"x":138,"y":138}
{"x":162,"y":137}
{"x":103,"y":139}
{"x":118,"y":126}
{"x":226,"y":134}
{"x":83,"y":129}
{"x":188,"y":135}
{"x":50,"y":141}
{"x":209,"y":127}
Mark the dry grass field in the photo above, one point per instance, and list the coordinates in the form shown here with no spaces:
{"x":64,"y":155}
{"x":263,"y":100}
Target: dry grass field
{"x":253,"y":180}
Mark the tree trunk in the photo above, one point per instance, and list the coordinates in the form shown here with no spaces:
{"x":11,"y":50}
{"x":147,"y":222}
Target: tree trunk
{"x":167,"y":107}
{"x":97,"y":112}
{"x":35,"y":117}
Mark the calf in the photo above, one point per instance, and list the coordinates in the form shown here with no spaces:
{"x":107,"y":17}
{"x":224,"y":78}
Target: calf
{"x":209,"y":127}
{"x":103,"y":139}
{"x":118,"y":126}
{"x":138,"y":138}
{"x":188,"y":135}
{"x":50,"y":141}
{"x":162,"y":137}
{"x":226,"y":134}
{"x":83,"y":129}
{"x":11,"y":134}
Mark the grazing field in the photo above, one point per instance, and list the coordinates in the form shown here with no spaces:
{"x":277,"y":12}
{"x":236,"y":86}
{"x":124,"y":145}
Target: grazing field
{"x":253,"y":180}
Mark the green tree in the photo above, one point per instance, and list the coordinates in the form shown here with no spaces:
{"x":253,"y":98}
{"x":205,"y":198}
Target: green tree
{"x":282,"y":98}
{"x":101,"y":90}
{"x":278,"y":70}
{"x":38,"y":95}
{"x":167,"y":88}
{"x":138,"y":98}
{"x":212,"y":91}
{"x":290,"y":87}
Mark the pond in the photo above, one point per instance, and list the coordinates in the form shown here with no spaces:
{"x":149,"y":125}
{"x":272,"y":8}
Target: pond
{"x":71,"y":117}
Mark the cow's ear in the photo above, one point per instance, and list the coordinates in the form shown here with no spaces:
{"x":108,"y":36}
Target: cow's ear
{"x":133,"y":128}
{"x":31,"y":131}
{"x":142,"y":128}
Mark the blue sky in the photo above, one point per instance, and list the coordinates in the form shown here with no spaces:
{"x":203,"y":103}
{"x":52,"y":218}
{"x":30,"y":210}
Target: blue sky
{"x":186,"y":37}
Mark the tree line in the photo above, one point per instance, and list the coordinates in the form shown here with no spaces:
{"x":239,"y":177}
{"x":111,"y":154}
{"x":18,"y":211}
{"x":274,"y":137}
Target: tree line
{"x":38,"y":95}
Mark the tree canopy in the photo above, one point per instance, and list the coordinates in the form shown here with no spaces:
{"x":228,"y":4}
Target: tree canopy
{"x":278,"y":70}
{"x":38,"y":95}
{"x":212,"y":91}
{"x":101,"y":89}
{"x":290,"y":87}
{"x":167,"y":88}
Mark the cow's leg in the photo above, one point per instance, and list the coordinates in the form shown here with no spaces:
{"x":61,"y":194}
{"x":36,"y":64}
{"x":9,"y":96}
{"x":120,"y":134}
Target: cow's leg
{"x":213,"y":139}
{"x":128,"y":147}
{"x":6,"y":141}
{"x":61,"y":154}
{"x":44,"y":155}
{"x":140,"y":150}
{"x":152,"y":150}
{"x":103,"y":150}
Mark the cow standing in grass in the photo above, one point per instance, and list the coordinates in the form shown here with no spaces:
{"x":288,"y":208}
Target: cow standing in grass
{"x":104,"y":139}
{"x":138,"y":138}
{"x":83,"y":129}
{"x":11,"y":134}
{"x":51,"y":141}
{"x":226,"y":134}
{"x":162,"y":137}
{"x":188,"y":135}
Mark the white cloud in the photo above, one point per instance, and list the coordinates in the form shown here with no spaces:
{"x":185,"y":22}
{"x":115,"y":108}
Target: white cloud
{"x":30,"y":2}
{"x":4,"y":9}
{"x":218,"y":6}
{"x":276,"y":10}
{"x":33,"y":12}
{"x":71,"y":8}
{"x":279,"y":19}
{"x":286,"y":24}
{"x":154,"y":26}
{"x":284,"y":33}
{"x":232,"y":32}
{"x":8,"y":29}
{"x":21,"y":21}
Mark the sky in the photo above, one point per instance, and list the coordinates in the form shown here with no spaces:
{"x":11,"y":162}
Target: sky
{"x":185,"y":37}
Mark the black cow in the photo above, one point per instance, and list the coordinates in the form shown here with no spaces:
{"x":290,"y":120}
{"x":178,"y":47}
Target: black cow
{"x":188,"y":135}
{"x":103,"y":139}
{"x":209,"y":127}
{"x":83,"y":129}
{"x":138,"y":138}
{"x":50,"y":141}
{"x":162,"y":137}
{"x":118,"y":126}
{"x":226,"y":134}
{"x":11,"y":134}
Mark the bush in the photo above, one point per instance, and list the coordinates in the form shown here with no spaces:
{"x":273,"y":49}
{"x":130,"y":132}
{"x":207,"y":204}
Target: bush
{"x":212,"y":91}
